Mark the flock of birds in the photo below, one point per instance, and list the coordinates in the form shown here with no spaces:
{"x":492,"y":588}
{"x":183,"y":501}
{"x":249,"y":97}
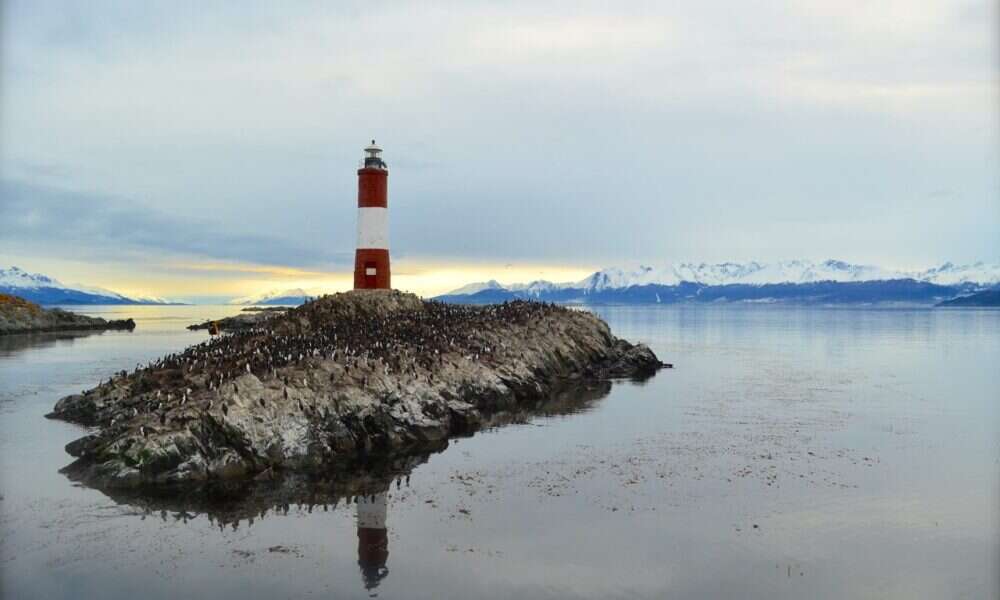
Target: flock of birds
{"x":402,"y":342}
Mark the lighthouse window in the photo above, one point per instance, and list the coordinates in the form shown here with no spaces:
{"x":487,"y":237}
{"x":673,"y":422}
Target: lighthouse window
{"x":369,"y":270}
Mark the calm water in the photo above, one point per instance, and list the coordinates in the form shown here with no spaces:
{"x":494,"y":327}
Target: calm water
{"x":792,"y":453}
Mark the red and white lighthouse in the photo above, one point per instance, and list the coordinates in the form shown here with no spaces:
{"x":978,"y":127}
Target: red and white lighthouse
{"x":371,"y":259}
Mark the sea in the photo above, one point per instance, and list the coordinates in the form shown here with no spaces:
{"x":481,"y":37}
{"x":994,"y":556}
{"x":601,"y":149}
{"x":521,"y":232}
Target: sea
{"x":791,"y":452}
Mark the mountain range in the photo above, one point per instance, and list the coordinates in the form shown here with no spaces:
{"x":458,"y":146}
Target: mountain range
{"x":276,"y":297}
{"x":42,"y":289}
{"x":793,"y":281}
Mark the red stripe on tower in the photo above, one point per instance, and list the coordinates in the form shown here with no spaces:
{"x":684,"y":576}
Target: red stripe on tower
{"x":371,"y":259}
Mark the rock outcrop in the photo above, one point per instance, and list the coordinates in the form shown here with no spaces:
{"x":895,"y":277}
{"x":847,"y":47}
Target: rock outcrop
{"x":361,"y":374}
{"x":239,"y":501}
{"x":250,"y":317}
{"x":18,"y":315}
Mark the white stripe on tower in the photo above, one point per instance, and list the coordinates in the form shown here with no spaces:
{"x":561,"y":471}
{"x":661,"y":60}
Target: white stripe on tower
{"x":373,"y":228}
{"x":372,"y":511}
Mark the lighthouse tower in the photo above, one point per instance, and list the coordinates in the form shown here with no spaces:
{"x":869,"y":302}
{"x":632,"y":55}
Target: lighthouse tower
{"x":371,"y":259}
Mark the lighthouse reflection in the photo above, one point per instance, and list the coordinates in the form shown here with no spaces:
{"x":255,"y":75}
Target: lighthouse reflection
{"x":373,"y":539}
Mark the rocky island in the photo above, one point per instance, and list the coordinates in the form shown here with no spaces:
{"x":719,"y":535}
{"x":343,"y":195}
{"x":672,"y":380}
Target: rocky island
{"x":358,"y":374}
{"x":18,"y":315}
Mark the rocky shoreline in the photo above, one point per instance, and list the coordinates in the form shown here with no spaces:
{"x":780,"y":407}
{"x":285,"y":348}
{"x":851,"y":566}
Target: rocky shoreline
{"x":248,"y":318}
{"x":236,"y":501}
{"x":360,"y":374}
{"x":18,"y":315}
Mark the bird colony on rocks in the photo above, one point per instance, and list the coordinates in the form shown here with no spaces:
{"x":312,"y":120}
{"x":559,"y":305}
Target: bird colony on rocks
{"x":360,"y":373}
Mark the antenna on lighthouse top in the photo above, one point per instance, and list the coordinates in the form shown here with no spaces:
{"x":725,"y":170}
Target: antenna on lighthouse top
{"x":373,"y":157}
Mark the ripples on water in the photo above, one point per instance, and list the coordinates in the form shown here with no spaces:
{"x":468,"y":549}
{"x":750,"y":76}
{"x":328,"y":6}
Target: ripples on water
{"x":820,"y":453}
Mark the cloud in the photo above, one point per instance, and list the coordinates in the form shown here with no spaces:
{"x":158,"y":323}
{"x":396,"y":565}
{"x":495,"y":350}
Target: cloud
{"x":562,"y":132}
{"x":74,"y":223}
{"x":244,"y":269}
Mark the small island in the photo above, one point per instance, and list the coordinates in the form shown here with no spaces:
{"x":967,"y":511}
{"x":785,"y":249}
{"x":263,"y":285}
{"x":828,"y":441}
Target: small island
{"x":18,"y":315}
{"x":358,"y":374}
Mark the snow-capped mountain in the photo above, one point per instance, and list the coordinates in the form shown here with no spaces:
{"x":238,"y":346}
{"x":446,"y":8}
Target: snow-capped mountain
{"x":15,"y":277}
{"x":43,"y":289}
{"x":753,"y":273}
{"x":951,"y":274}
{"x":790,"y":271}
{"x":294,"y":296}
{"x":536,"y":288}
{"x":791,"y":280}
{"x":533,"y":289}
{"x":473,"y":288}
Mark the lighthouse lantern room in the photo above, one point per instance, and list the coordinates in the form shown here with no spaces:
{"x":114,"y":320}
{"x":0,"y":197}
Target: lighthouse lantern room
{"x":371,"y":259}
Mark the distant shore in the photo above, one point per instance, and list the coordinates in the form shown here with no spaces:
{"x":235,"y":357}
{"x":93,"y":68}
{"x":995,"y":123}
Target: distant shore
{"x":18,"y":315}
{"x":986,"y":298}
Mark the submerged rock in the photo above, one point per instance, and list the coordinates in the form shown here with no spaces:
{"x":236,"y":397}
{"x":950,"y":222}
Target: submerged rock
{"x":18,"y":315}
{"x":357,"y":374}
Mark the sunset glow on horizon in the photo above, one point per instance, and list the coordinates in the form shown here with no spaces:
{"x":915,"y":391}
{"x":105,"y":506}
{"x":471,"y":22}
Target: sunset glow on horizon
{"x":193,"y":280}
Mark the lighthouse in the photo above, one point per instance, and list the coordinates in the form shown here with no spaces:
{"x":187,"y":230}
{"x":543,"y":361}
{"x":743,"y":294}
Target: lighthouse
{"x":371,"y":259}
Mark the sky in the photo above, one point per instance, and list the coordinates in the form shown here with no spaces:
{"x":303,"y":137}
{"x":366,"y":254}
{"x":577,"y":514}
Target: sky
{"x":184,"y":149}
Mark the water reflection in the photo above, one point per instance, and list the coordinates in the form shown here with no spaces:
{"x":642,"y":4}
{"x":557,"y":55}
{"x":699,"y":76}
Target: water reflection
{"x":362,"y":481}
{"x":373,"y":539}
{"x":231,"y":502}
{"x":915,"y":391}
{"x":241,"y":504}
{"x":14,"y":343}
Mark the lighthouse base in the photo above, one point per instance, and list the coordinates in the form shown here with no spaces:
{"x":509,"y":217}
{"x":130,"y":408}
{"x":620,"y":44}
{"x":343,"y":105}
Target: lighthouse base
{"x":371,"y":269}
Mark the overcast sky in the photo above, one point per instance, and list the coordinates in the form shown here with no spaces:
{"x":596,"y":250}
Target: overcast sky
{"x":177,"y":148}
